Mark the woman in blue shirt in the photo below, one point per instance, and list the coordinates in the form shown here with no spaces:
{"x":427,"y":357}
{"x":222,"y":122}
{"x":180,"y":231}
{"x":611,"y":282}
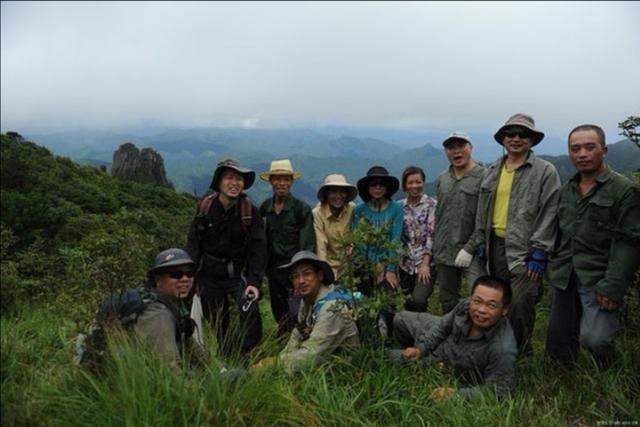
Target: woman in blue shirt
{"x":376,"y":190}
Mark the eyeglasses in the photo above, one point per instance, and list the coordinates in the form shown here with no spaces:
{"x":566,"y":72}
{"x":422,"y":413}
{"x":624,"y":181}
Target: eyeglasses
{"x":521,"y":133}
{"x":377,"y":183}
{"x":306,"y":274}
{"x":177,"y":274}
{"x":489,"y":304}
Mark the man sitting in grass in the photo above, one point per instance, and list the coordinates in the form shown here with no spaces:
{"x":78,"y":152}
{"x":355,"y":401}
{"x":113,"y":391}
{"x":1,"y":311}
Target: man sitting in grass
{"x":324,"y":321}
{"x":475,"y":339}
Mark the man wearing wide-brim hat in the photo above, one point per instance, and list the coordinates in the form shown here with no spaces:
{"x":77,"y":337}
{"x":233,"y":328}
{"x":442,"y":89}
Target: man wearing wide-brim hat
{"x":227,"y":241}
{"x":324,"y":322}
{"x":515,"y":228}
{"x":332,"y":218}
{"x":289,"y":229}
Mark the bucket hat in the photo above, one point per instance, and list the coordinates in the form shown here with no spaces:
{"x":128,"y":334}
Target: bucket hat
{"x":456,"y":136}
{"x":280,"y":167}
{"x":248,"y":175}
{"x":377,"y":173}
{"x":170,"y":258}
{"x":523,"y":120}
{"x":338,"y":181}
{"x":314,"y":259}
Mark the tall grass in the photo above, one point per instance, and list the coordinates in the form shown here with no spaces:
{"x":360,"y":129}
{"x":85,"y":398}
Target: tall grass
{"x":40,"y":386}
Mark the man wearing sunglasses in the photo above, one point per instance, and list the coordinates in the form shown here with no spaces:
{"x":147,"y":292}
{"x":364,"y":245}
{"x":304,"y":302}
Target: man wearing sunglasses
{"x":515,"y":221}
{"x":325,"y":323}
{"x":228,"y":243}
{"x":165,"y":323}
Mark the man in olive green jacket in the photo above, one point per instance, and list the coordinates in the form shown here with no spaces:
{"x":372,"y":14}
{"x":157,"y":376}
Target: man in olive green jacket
{"x":596,"y":254}
{"x":515,"y":221}
{"x":457,"y":194}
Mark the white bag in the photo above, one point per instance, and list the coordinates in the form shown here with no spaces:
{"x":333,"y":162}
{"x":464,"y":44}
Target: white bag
{"x":197,"y":315}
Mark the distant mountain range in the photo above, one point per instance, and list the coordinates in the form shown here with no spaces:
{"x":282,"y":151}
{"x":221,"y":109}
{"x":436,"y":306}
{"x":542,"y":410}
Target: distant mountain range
{"x":190,"y":155}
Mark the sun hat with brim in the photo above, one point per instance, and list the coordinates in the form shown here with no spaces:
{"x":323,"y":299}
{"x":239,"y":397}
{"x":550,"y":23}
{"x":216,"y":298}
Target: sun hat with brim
{"x":520,"y":120}
{"x":456,"y":136}
{"x":311,"y":257}
{"x":280,"y":167}
{"x":377,"y":173}
{"x":248,"y":175}
{"x":336,"y":180}
{"x":170,"y":258}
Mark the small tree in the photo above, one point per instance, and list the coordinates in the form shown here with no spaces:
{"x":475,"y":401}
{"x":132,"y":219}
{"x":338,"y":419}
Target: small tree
{"x":359,"y":274}
{"x":630,"y":129}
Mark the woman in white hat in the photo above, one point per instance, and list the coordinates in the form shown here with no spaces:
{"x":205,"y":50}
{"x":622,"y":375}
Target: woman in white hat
{"x":332,"y":217}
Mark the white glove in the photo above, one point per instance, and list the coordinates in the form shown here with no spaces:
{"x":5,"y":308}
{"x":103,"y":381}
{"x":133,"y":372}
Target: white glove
{"x":463,"y":259}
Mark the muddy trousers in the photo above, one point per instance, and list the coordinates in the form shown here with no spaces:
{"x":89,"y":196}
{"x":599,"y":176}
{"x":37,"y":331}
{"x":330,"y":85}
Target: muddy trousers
{"x":526,"y":294}
{"x":237,"y":331}
{"x":577,"y":319}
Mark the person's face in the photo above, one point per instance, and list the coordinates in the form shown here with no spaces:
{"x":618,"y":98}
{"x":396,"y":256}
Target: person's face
{"x":377,"y":189}
{"x":459,"y":153}
{"x":231,"y":183}
{"x":414,"y":185}
{"x":306,"y":281}
{"x":336,"y":197}
{"x":486,"y":306}
{"x":281,"y":184}
{"x":175,"y":282}
{"x":586,"y":152}
{"x":517,"y":140}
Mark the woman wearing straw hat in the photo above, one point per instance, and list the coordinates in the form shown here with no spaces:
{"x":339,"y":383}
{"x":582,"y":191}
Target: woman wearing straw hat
{"x":289,"y":229}
{"x":332,"y":217}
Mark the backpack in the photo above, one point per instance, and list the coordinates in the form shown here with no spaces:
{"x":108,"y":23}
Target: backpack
{"x":337,"y":294}
{"x":244,"y":204}
{"x":118,"y":311}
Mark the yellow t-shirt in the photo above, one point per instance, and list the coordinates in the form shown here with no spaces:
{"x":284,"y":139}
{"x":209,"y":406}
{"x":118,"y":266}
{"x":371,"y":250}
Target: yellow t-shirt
{"x":501,"y":205}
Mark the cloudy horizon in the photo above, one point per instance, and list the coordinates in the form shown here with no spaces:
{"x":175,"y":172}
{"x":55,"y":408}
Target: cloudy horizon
{"x":409,"y":66}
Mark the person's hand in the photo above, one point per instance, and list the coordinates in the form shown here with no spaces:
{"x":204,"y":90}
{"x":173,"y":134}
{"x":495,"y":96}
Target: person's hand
{"x":391,"y":278}
{"x":262,"y":364}
{"x":250,"y":289}
{"x":463,"y":259}
{"x":606,"y":303}
{"x":424,"y":273}
{"x":536,"y":264}
{"x":412,"y":353}
{"x":442,"y":394}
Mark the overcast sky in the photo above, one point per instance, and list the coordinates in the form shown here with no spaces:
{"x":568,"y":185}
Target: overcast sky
{"x":406,"y":65}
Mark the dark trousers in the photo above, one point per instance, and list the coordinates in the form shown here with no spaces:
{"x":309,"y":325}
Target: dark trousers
{"x":418,"y":292}
{"x":450,"y":280}
{"x":218,"y":304}
{"x":576,"y":318}
{"x":284,"y":305}
{"x":526,"y":294}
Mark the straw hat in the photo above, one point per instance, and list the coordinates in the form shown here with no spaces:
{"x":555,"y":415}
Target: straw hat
{"x":520,"y":120}
{"x":280,"y":167}
{"x":339,"y":181}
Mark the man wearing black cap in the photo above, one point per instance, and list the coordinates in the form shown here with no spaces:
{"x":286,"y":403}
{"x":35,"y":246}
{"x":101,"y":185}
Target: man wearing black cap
{"x":457,"y":194}
{"x":516,"y":220}
{"x":324,"y":320}
{"x":227,"y":241}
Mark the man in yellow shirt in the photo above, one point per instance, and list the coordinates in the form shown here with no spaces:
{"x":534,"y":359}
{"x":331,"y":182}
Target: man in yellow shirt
{"x":332,"y":217}
{"x":515,"y":221}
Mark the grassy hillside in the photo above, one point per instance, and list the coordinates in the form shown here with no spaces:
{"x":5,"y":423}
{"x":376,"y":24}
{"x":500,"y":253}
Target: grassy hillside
{"x":70,"y":233}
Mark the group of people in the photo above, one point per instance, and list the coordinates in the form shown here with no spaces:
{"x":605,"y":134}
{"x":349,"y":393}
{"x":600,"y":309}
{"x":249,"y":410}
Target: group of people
{"x":501,"y":227}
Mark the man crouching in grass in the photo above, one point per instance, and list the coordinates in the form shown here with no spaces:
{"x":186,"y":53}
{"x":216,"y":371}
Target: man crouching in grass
{"x":475,"y":339}
{"x":325,"y":324}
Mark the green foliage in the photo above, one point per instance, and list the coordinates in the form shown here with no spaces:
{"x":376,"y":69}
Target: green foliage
{"x":360,"y":274}
{"x":72,"y":232}
{"x":629,"y":129}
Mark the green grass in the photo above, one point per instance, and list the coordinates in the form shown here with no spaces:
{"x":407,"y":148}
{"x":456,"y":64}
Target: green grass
{"x":40,"y":386}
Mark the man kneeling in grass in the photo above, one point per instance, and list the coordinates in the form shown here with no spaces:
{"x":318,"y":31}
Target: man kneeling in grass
{"x":325,"y":324}
{"x":475,"y":339}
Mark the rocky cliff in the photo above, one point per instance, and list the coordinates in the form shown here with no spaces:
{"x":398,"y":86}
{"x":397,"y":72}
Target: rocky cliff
{"x":132,"y":164}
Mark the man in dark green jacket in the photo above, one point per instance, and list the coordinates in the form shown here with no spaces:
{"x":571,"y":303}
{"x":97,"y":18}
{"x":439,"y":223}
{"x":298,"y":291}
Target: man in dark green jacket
{"x":596,"y":253}
{"x":289,"y":229}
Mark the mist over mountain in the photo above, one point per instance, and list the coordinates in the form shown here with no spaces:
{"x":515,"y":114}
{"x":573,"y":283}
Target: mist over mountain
{"x":190,"y":155}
